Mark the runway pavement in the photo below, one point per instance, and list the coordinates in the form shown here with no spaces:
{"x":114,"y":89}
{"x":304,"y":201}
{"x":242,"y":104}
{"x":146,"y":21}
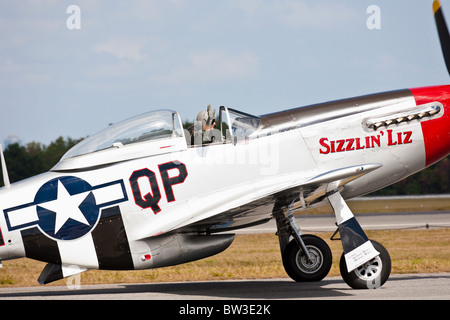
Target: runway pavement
{"x":398,"y":287}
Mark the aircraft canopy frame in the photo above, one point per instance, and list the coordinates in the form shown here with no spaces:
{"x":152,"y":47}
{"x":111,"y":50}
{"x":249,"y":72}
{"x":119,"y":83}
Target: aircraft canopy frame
{"x":151,"y":133}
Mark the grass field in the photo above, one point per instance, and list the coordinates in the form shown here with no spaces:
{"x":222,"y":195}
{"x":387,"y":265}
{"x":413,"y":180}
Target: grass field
{"x":256,"y":257}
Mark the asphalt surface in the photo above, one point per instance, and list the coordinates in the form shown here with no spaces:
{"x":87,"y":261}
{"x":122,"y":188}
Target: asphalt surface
{"x":398,"y":287}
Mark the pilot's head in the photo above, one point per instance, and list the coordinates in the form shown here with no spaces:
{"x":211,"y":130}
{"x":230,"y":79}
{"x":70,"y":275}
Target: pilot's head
{"x":206,"y":118}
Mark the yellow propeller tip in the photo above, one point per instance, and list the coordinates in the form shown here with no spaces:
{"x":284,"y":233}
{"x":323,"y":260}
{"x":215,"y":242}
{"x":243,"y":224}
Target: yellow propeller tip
{"x":436,"y":5}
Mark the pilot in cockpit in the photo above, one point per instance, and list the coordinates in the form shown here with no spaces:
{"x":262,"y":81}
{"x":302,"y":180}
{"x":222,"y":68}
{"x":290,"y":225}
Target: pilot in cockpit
{"x":203,"y":129}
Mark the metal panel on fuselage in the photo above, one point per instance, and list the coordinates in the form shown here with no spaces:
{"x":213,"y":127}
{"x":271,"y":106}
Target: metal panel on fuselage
{"x":346,"y":140}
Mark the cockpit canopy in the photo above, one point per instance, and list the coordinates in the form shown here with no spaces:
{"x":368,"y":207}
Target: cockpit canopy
{"x":160,"y":124}
{"x":160,"y":131}
{"x":154,"y":133}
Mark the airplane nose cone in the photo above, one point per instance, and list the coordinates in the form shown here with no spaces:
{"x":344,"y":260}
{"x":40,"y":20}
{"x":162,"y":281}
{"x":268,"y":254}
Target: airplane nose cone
{"x":436,"y":132}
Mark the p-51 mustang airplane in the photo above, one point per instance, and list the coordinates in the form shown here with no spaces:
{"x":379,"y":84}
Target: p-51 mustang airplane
{"x":145,"y":193}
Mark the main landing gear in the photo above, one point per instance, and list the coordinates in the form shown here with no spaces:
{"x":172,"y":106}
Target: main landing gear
{"x":365,"y":264}
{"x":305,"y":257}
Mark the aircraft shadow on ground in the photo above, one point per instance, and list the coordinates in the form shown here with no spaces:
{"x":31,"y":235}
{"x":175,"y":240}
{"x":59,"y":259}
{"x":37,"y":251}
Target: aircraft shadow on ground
{"x":252,"y":289}
{"x":332,"y":287}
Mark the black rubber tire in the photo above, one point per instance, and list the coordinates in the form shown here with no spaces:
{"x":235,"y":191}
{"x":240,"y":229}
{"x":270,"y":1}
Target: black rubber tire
{"x":297,"y":265}
{"x":371,"y":275}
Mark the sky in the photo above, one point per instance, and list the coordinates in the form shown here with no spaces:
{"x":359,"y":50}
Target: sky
{"x":70,"y":68}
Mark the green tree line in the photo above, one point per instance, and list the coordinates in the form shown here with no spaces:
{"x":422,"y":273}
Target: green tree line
{"x":35,"y":158}
{"x":433,"y":180}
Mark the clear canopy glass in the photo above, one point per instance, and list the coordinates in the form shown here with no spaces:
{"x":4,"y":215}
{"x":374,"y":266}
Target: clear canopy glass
{"x":154,"y":125}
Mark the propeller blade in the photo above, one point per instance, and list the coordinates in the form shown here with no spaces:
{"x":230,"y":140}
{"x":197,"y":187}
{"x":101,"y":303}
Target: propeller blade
{"x":444,"y":36}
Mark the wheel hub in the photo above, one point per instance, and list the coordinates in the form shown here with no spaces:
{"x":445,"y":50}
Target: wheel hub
{"x":309,"y":266}
{"x":370,"y":270}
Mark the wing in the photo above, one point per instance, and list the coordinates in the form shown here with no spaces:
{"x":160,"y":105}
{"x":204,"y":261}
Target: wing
{"x":289,"y":197}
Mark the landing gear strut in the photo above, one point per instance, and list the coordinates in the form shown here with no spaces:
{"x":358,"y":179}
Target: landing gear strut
{"x":365,"y":264}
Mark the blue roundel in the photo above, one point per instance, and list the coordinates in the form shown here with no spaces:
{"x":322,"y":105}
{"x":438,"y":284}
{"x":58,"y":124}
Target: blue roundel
{"x":66,"y":208}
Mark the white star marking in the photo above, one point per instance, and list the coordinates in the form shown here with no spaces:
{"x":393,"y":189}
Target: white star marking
{"x":66,"y":207}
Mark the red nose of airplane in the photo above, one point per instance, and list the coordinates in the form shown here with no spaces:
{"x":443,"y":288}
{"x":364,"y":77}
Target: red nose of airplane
{"x":436,"y":132}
